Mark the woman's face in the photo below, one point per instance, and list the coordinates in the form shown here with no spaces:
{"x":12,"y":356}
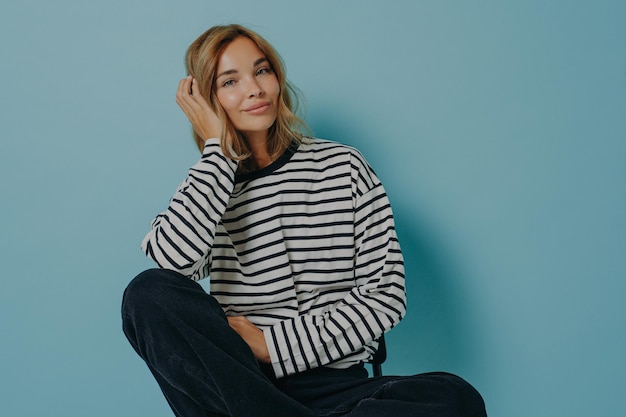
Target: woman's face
{"x":247,"y":88}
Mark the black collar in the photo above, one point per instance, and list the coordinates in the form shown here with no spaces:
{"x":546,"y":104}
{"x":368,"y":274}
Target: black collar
{"x":279,"y":162}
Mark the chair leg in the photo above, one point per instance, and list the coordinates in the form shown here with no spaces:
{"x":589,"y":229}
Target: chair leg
{"x":377,"y":369}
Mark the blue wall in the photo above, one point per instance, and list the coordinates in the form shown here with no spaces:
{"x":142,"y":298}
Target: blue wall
{"x":498,"y":129}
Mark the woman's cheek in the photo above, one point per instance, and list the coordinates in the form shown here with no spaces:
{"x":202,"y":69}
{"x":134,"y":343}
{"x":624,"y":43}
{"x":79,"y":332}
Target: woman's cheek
{"x":228,"y":101}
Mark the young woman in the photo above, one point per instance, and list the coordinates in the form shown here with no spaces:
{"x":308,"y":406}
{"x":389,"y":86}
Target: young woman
{"x":298,"y":239}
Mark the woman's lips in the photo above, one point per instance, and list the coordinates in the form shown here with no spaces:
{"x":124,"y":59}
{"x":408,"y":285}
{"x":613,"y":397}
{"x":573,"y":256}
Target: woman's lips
{"x":257,"y":108}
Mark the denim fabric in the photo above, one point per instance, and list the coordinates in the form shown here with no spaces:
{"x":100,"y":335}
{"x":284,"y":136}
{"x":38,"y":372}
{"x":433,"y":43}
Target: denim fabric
{"x":350,"y":393}
{"x":204,"y":368}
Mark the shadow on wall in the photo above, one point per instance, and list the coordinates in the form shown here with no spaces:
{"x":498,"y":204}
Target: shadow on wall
{"x":435,"y":334}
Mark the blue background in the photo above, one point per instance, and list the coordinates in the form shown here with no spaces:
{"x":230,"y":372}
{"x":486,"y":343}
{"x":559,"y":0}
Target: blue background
{"x":498,"y":129}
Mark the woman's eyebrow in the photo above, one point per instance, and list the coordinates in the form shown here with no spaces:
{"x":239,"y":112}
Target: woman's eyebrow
{"x":234,"y":71}
{"x":260,"y":60}
{"x":227,"y":72}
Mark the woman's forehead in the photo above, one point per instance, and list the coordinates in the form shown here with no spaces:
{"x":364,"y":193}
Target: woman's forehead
{"x":240,"y":54}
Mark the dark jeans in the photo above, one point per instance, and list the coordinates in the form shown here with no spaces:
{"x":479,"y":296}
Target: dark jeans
{"x":204,"y":368}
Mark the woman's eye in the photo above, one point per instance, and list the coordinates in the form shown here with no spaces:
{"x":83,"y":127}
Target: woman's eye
{"x":228,"y":83}
{"x":263,"y":70}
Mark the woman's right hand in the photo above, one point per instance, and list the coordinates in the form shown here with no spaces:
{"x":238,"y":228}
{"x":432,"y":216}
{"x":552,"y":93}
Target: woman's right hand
{"x":202,"y":117}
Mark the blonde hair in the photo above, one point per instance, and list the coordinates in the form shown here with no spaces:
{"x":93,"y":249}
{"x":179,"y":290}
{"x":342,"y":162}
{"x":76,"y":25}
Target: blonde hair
{"x":201,"y":61}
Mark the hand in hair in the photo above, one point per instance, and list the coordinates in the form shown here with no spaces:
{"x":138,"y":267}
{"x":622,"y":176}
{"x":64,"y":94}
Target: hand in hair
{"x":203,"y":119}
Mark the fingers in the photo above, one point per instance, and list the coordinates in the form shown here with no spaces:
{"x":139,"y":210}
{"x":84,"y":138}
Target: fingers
{"x":241,"y":325}
{"x":237,"y":321}
{"x":188,"y":102}
{"x":188,"y":89}
{"x":252,"y":335}
{"x":202,"y":117}
{"x":195,"y":91}
{"x":183,"y":93}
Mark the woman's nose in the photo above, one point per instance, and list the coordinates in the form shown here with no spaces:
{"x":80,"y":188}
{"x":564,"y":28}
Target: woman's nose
{"x":254,"y":89}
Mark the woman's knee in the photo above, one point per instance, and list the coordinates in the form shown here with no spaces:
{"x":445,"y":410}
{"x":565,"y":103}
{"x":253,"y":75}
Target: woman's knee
{"x":162,"y":302}
{"x":464,"y":395}
{"x":164,"y":290}
{"x":154,"y":286}
{"x":450,"y":391}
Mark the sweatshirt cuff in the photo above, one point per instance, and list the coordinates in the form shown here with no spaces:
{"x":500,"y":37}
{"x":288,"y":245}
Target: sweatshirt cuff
{"x":212,"y":142}
{"x":275,"y":361}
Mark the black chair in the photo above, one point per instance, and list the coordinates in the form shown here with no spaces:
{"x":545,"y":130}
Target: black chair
{"x":379,"y":357}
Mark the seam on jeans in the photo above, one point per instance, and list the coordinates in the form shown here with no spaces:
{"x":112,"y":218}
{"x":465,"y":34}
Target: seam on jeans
{"x":335,"y":412}
{"x":384,"y":389}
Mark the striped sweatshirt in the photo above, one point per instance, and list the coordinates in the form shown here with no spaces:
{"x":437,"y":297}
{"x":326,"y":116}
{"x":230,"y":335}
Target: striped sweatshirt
{"x":305,"y":248}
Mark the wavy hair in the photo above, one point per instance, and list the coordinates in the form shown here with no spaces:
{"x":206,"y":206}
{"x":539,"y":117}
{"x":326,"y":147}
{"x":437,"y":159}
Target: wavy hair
{"x":201,"y":61}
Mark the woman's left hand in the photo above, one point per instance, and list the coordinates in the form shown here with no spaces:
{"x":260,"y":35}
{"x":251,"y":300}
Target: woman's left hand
{"x":252,"y":335}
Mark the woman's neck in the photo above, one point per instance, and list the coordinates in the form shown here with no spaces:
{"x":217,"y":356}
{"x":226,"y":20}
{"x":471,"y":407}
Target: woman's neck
{"x":260,"y":153}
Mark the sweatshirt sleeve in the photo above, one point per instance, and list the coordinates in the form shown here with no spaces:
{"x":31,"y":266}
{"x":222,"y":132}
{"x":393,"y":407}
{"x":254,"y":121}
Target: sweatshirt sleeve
{"x":375,"y":304}
{"x":181,"y":237}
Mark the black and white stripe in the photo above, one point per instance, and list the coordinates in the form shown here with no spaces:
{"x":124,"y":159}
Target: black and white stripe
{"x":305,"y":248}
